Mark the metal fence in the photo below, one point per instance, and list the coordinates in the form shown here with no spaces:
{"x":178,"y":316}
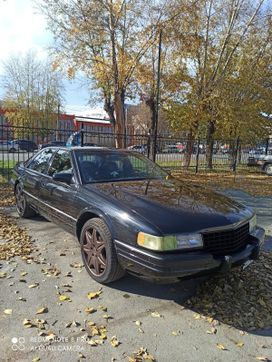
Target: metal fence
{"x":17,"y":144}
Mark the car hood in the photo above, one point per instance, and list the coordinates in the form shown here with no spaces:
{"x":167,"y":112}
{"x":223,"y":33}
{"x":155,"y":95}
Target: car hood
{"x":173,"y":205}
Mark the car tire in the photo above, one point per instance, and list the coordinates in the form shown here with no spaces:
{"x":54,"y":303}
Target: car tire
{"x":22,"y":206}
{"x":268,"y":169}
{"x":98,"y":252}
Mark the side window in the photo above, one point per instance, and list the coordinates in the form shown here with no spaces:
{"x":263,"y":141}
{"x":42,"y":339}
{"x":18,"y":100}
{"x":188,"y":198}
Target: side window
{"x":41,"y":161}
{"x":61,"y":163}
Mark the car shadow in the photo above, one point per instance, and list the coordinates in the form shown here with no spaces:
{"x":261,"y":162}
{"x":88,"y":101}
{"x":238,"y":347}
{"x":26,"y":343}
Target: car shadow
{"x":177,"y":291}
{"x":240,"y":299}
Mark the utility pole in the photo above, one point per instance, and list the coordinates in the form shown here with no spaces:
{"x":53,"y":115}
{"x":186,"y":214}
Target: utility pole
{"x":155,"y":129}
{"x":58,"y":123}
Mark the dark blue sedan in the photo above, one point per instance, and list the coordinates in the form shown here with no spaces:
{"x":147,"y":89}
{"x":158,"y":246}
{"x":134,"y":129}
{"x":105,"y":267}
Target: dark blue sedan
{"x":129,"y":214}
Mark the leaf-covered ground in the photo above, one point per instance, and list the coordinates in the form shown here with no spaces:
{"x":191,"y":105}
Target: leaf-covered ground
{"x":254,"y":183}
{"x":6,"y":195}
{"x":241,"y":299}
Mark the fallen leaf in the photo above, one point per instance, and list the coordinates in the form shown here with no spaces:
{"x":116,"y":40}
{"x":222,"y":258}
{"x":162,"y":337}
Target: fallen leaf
{"x":22,"y":299}
{"x":107,"y":316}
{"x":114,"y":341}
{"x":42,"y":310}
{"x":8,"y":311}
{"x":92,"y":295}
{"x":64,"y":298}
{"x":138,"y":323}
{"x":221,"y":346}
{"x":33,"y":285}
{"x":89,"y":310}
{"x":156,"y":315}
{"x":3,"y":275}
{"x":81,"y":355}
{"x":212,"y":331}
{"x":50,"y":336}
{"x":240,"y":344}
{"x":23,"y":273}
{"x":36,"y":359}
{"x":261,"y":358}
{"x":101,"y":307}
{"x":27,"y":323}
{"x":176,"y":333}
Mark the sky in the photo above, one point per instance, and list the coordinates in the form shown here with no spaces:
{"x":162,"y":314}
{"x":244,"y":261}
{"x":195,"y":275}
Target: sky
{"x":22,"y":29}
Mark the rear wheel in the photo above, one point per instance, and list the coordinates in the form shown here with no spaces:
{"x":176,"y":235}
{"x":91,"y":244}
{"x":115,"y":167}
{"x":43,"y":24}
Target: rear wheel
{"x":22,"y":206}
{"x":98,"y":252}
{"x":268,"y":169}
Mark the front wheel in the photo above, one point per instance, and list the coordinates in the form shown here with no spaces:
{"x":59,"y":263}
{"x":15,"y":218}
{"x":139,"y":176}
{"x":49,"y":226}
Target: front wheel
{"x":268,"y":169}
{"x":98,"y":252}
{"x":22,"y":206}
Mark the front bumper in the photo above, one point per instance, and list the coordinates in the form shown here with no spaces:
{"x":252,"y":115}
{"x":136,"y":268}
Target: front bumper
{"x":182,"y":264}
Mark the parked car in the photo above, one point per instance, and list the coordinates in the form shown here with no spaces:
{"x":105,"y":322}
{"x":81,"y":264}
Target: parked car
{"x":7,"y":146}
{"x":52,"y":144}
{"x":23,"y":145}
{"x":265,"y":163}
{"x":129,"y":214}
{"x":138,"y":148}
{"x":171,"y":149}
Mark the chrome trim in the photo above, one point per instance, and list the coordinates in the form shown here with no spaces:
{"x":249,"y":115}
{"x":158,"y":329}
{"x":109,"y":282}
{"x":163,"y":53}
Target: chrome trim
{"x":226,"y":227}
{"x":52,"y":207}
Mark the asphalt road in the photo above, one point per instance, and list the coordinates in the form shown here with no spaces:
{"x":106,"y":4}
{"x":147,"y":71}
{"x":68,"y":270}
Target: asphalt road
{"x":171,"y":334}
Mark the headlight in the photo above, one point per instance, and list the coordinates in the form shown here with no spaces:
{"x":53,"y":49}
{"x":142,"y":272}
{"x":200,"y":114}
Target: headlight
{"x":252,"y":224}
{"x":170,"y":242}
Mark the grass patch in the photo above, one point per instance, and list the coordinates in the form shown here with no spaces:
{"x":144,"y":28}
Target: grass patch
{"x":251,"y":181}
{"x":5,"y":169}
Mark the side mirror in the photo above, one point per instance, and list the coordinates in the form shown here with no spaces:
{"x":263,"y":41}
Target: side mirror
{"x":64,"y":177}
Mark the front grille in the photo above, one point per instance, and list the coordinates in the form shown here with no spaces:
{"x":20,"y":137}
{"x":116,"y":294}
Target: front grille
{"x":226,"y":242}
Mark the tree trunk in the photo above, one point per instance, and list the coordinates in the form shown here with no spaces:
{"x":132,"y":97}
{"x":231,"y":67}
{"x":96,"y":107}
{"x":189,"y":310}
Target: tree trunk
{"x":188,"y":150}
{"x":210,"y":142}
{"x":120,"y":119}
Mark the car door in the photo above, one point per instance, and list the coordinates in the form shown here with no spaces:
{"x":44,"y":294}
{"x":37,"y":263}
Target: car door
{"x":31,"y":179}
{"x":59,"y":196}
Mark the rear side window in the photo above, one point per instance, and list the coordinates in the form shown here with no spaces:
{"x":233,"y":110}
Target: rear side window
{"x":41,"y":161}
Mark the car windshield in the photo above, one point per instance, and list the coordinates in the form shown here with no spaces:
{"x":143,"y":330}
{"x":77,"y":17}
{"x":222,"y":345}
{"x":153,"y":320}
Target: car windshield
{"x":108,"y":166}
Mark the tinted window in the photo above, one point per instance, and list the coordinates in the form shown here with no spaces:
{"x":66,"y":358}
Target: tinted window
{"x":103,"y":166}
{"x":41,"y":161}
{"x":61,"y":163}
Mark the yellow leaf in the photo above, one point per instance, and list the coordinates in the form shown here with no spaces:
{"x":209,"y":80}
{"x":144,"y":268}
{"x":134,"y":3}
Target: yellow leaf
{"x":239,"y":344}
{"x":3,"y":275}
{"x":42,"y":310}
{"x":92,"y":342}
{"x":33,"y":285}
{"x":101,"y":307}
{"x":221,"y":346}
{"x":107,"y":316}
{"x":138,"y":323}
{"x":64,"y":298}
{"x":92,"y":295}
{"x":27,"y":323}
{"x":91,"y":323}
{"x":114,"y":341}
{"x":23,"y":274}
{"x":8,"y":311}
{"x":89,"y":310}
{"x":156,"y":315}
{"x":36,"y":359}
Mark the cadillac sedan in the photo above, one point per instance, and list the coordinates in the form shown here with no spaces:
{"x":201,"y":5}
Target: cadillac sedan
{"x":130,"y":215}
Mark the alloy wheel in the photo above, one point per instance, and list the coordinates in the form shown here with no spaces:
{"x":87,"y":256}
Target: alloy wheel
{"x":20,"y":199}
{"x":94,"y":252}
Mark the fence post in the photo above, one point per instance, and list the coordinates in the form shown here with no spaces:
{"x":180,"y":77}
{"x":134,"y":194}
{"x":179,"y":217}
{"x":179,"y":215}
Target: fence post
{"x":234,"y":167}
{"x":197,"y":155}
{"x":266,"y":146}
